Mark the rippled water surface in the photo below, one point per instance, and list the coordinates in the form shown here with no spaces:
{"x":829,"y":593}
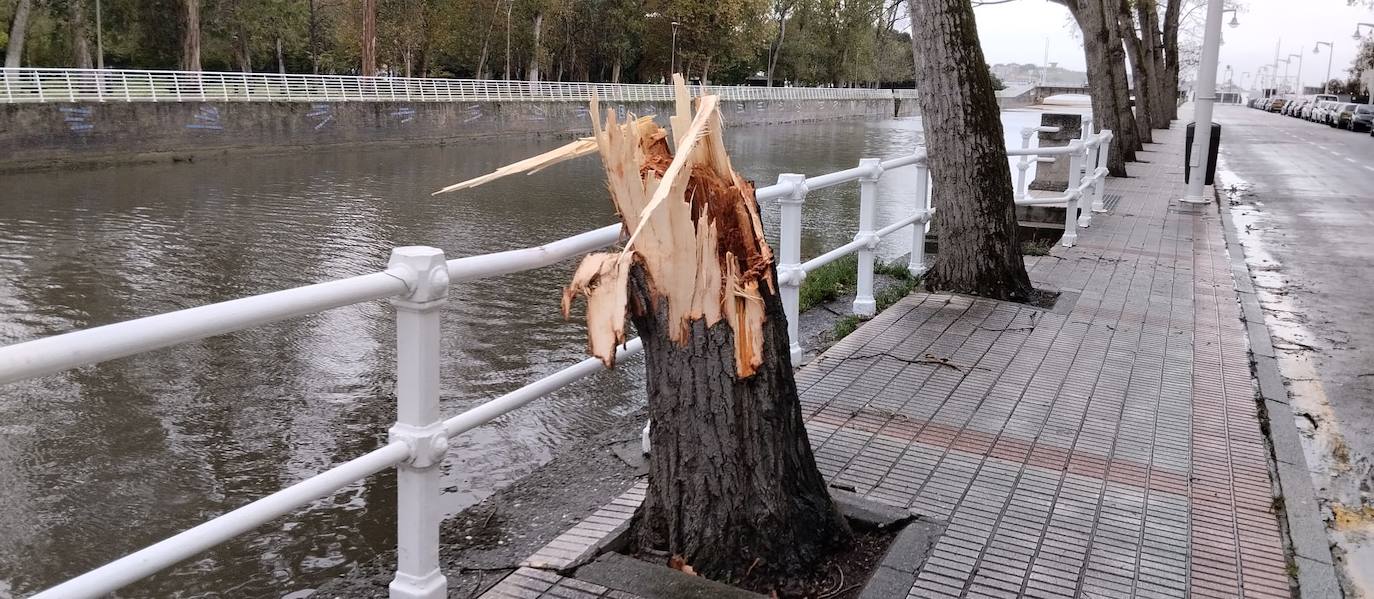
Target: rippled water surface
{"x":100,"y":461}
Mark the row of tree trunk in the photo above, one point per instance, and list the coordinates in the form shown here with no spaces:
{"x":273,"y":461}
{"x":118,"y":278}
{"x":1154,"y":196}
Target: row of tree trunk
{"x":1117,"y":30}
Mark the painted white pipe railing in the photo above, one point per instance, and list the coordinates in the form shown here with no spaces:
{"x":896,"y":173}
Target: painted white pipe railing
{"x":416,"y":281}
{"x":116,"y":85}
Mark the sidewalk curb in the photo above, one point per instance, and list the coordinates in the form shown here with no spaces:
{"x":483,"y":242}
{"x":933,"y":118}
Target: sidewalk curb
{"x":1305,"y":528}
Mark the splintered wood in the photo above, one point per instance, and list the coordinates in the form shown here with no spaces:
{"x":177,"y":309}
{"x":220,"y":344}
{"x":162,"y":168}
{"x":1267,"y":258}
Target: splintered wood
{"x":693,"y":226}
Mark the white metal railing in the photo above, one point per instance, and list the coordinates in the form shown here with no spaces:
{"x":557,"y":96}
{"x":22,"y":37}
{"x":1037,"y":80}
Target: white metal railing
{"x":416,"y":281}
{"x":109,"y":85}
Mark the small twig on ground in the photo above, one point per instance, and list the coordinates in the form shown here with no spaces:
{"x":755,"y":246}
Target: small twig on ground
{"x":841,"y":591}
{"x":488,"y":520}
{"x":839,"y":583}
{"x":750,"y":569}
{"x":928,"y":359}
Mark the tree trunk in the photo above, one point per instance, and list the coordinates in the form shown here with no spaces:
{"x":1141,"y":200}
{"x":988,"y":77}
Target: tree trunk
{"x":242,"y":53}
{"x":754,"y":490}
{"x":534,"y":53}
{"x":615,"y":70}
{"x":190,"y":35}
{"x":314,"y":41}
{"x":1121,"y":84}
{"x":979,"y":251}
{"x":81,"y":36}
{"x":19,"y":27}
{"x":1171,"y":65}
{"x":1089,"y":16}
{"x":281,"y":58}
{"x":369,"y":41}
{"x":1153,"y":48}
{"x":486,"y":41}
{"x":1144,"y":101}
{"x":777,"y":47}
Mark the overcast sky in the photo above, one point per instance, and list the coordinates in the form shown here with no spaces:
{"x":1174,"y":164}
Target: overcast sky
{"x":1017,"y":31}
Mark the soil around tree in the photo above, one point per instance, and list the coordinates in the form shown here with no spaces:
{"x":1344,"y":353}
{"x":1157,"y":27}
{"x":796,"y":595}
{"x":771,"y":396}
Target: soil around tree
{"x":841,"y":574}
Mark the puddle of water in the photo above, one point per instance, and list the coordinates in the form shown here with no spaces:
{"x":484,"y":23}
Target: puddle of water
{"x":1341,"y":482}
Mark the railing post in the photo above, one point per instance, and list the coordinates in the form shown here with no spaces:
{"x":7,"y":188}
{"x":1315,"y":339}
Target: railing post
{"x":1023,"y":164}
{"x":790,"y":273}
{"x":418,"y":424}
{"x":917,"y":264}
{"x":1071,"y":194}
{"x":1098,"y":186}
{"x":864,"y":304}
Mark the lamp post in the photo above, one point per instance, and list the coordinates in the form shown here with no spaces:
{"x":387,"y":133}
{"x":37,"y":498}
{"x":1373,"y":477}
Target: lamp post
{"x":1206,"y":99}
{"x":1297,"y":83}
{"x":1277,"y":80}
{"x":1330,"y":51}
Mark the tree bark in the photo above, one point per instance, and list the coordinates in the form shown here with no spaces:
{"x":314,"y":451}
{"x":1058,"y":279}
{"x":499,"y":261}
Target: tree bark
{"x":1106,"y":115}
{"x":979,"y":251}
{"x":1153,"y":47}
{"x":369,"y":41}
{"x":81,"y":35}
{"x":534,"y":53}
{"x":1171,"y":64}
{"x":1121,"y":84}
{"x":19,"y":27}
{"x":731,"y":475}
{"x":1144,"y":100}
{"x":190,"y":35}
{"x":281,"y":58}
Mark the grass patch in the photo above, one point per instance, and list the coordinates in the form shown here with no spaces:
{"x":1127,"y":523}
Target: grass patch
{"x":846,"y":325}
{"x":1036,"y":247}
{"x":829,"y":282}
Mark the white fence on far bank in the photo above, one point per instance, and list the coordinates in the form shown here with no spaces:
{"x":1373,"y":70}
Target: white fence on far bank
{"x":117,"y":85}
{"x":417,"y":281}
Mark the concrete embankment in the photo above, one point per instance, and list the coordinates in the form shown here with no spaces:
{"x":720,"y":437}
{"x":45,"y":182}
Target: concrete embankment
{"x":55,"y":134}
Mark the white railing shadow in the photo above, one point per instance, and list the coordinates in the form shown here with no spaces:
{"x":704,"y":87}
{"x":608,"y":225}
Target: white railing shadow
{"x":416,"y":281}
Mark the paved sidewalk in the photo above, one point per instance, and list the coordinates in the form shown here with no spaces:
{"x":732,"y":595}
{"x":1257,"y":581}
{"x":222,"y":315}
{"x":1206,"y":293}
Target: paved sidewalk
{"x":1107,"y":448}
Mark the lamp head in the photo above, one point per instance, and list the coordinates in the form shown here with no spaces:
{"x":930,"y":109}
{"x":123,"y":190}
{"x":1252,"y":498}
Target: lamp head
{"x":1234,"y":22}
{"x":1356,"y":36}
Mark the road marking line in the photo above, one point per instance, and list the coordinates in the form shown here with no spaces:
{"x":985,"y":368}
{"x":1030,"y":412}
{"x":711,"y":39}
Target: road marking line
{"x":1369,"y":168}
{"x":1351,"y":160}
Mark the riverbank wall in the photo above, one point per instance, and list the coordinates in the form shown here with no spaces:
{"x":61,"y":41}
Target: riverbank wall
{"x":49,"y":135}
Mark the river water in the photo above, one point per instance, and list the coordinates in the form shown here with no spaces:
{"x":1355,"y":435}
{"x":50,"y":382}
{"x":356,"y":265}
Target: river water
{"x":100,"y":461}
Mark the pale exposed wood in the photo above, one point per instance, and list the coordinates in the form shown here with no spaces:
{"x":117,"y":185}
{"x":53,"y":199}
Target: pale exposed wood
{"x":532,"y":165}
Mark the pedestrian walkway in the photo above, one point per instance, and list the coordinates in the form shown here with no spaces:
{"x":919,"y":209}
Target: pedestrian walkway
{"x":1109,"y":447}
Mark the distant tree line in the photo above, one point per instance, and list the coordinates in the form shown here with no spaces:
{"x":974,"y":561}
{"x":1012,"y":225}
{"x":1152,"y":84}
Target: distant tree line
{"x":810,"y":42}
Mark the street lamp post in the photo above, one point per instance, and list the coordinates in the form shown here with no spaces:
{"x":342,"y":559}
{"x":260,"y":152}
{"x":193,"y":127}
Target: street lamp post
{"x":1330,"y":51}
{"x":1206,"y":99}
{"x":1297,"y":83}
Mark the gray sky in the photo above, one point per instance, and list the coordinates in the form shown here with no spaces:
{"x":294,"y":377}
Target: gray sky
{"x":1016,"y":32}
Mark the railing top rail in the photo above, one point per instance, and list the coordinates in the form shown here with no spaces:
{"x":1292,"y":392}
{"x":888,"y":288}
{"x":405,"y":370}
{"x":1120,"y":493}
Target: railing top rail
{"x":44,"y":84}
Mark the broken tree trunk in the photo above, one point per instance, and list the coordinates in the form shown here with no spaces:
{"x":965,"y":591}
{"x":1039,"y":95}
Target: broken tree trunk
{"x":733,"y":484}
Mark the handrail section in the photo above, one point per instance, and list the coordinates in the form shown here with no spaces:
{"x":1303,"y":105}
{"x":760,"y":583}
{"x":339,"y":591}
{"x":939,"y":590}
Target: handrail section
{"x":128,"y":85}
{"x":416,"y":281}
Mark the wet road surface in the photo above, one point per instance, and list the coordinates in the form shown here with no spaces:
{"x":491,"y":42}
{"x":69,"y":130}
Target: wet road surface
{"x":1302,"y":194}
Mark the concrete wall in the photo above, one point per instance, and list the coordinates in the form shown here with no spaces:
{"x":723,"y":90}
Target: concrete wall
{"x":46,"y":135}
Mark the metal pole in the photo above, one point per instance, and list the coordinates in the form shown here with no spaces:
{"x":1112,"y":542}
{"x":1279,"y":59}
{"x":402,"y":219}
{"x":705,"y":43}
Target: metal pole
{"x":418,"y":424}
{"x":1297,"y":83}
{"x":790,"y":273}
{"x":917,"y":265}
{"x":864,"y":304}
{"x":1206,"y":97}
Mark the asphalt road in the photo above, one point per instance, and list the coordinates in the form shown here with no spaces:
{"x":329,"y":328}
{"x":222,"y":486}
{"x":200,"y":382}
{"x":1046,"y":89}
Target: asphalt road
{"x":1303,"y":193}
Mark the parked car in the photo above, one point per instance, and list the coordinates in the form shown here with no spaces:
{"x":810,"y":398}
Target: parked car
{"x":1277,"y":104}
{"x":1341,"y":115}
{"x":1362,"y":119}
